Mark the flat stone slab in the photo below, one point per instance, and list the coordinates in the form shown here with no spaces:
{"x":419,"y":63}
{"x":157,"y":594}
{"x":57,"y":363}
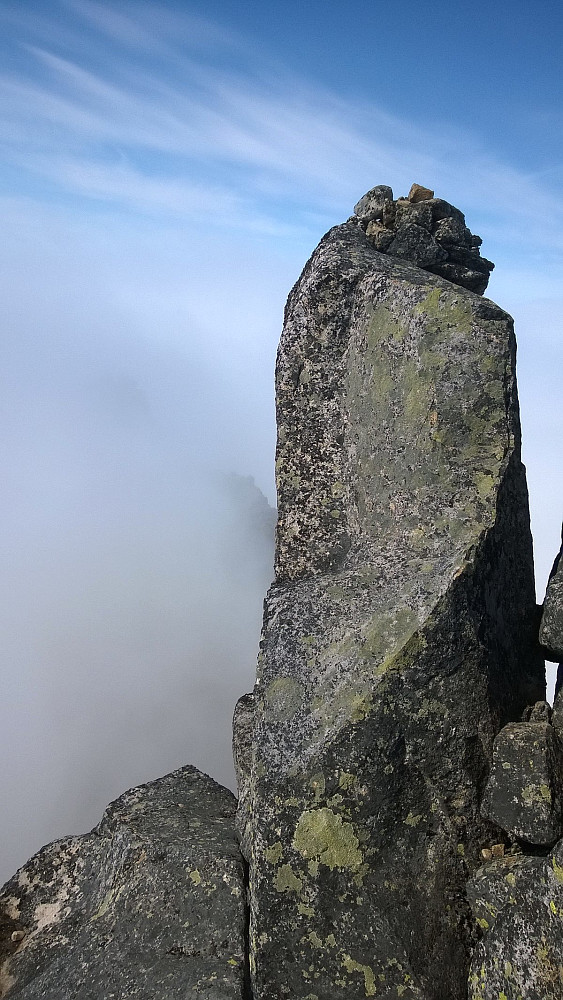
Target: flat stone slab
{"x":150,"y":905}
{"x":524,"y":791}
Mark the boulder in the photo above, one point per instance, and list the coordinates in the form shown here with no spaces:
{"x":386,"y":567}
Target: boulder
{"x":379,"y":235}
{"x":399,"y":634}
{"x":493,"y":887}
{"x":372,"y":204}
{"x":551,"y":626}
{"x":524,"y":793}
{"x":519,"y":956}
{"x":413,"y":243}
{"x":150,"y":905}
{"x":419,"y":193}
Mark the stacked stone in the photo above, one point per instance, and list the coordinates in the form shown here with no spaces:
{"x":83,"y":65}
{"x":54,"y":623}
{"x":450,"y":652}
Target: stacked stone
{"x":517,"y":900}
{"x":427,"y":231}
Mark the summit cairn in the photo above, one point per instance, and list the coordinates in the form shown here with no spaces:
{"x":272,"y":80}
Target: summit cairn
{"x":398,"y":634}
{"x":425,"y":230}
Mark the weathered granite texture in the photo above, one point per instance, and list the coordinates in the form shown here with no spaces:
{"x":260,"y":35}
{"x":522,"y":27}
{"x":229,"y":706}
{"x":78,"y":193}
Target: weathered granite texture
{"x":426,"y":231}
{"x":149,"y":905}
{"x":551,"y":627}
{"x":524,"y":793}
{"x":519,"y":908}
{"x":398,"y":635}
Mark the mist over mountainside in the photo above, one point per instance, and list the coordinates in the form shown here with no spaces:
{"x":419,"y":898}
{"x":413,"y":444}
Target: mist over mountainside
{"x":135,"y":554}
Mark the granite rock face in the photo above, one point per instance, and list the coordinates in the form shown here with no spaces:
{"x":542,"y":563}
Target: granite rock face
{"x":551,"y":627}
{"x":524,"y":794}
{"x":398,"y":634}
{"x":426,"y":231}
{"x":151,"y":904}
{"x":520,"y":954}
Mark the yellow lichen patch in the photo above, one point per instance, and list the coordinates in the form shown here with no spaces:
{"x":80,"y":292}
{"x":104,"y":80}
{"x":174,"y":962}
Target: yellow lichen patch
{"x":535,"y":794}
{"x":484,"y":484}
{"x":347,"y":780}
{"x":369,"y":979}
{"x":360,"y":705}
{"x":412,"y":820}
{"x":274,"y":853}
{"x":287,"y":881}
{"x":109,"y":899}
{"x":323,"y":836}
{"x":557,"y":870}
{"x":314,"y":939}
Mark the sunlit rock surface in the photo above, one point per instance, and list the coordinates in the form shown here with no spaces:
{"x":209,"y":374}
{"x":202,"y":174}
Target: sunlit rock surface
{"x":398,"y":635}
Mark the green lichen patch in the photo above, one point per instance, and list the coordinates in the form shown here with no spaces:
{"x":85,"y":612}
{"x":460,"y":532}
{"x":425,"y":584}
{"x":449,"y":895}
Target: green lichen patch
{"x":323,"y":836}
{"x":351,"y":965}
{"x":273,"y":854}
{"x":287,"y":881}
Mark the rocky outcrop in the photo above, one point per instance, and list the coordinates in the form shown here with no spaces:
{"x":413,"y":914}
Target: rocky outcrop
{"x":551,"y":627}
{"x":524,"y":794}
{"x":151,"y":904}
{"x":519,"y":907}
{"x":426,"y":231}
{"x":397,"y":636}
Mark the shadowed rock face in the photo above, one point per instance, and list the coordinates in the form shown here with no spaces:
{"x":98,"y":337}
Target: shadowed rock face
{"x":524,"y":794}
{"x":151,"y":904}
{"x":551,"y":629}
{"x":397,"y":635}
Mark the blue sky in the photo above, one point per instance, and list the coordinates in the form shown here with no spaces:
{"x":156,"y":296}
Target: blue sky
{"x":166,"y":170}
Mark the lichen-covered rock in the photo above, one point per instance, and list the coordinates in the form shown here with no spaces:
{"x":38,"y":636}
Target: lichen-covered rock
{"x":149,"y":905}
{"x":520,"y":956}
{"x":371,"y":206}
{"x":524,"y":791}
{"x":243,"y":738}
{"x":551,"y":627}
{"x":493,"y":886}
{"x":398,"y":636}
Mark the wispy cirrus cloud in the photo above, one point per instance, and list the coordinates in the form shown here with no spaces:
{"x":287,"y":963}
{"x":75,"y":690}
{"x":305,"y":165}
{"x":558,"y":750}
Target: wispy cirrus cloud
{"x":213,"y":125}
